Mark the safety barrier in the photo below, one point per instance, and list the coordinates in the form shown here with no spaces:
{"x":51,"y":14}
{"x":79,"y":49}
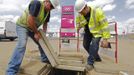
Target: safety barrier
{"x":114,"y":41}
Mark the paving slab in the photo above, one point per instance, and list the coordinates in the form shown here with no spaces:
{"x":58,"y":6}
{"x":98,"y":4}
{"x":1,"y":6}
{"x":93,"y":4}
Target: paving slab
{"x":58,"y":63}
{"x":32,"y":67}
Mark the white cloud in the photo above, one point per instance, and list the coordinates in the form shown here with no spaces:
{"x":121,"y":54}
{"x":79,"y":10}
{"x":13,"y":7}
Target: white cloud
{"x":55,"y":19}
{"x":1,"y":1}
{"x":130,"y":4}
{"x":131,"y":7}
{"x":11,"y":6}
{"x":111,"y":18}
{"x":100,"y":2}
{"x":109,"y":7}
{"x":130,"y":21}
{"x":6,"y":17}
{"x":15,"y":19}
{"x":59,"y":8}
{"x":8,"y":8}
{"x":16,"y":2}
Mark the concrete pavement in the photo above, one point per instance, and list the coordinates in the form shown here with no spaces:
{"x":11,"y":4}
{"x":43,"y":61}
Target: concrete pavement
{"x":107,"y":66}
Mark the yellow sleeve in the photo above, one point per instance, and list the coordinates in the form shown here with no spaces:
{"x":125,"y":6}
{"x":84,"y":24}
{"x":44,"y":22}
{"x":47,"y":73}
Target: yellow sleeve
{"x":103,"y":22}
{"x":80,"y":21}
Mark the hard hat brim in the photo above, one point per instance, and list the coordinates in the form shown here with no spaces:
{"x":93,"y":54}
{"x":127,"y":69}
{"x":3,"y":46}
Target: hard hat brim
{"x":82,"y":8}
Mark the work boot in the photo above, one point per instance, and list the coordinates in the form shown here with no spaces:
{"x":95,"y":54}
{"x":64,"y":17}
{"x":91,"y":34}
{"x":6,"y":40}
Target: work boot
{"x":89,"y":67}
{"x":98,"y":60}
{"x":46,"y":61}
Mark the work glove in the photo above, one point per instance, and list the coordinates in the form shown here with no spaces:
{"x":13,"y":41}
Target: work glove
{"x":105,"y":44}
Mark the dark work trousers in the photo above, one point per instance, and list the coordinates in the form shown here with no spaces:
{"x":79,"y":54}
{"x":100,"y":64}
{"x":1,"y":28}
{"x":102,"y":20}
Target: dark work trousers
{"x":91,"y":44}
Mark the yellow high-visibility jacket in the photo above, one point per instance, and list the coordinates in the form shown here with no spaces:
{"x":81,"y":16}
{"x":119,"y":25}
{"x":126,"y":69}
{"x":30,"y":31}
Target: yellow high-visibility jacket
{"x":40,"y":19}
{"x":97,"y":24}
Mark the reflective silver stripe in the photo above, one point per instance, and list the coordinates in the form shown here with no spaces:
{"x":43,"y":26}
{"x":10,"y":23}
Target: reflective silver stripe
{"x":103,"y":21}
{"x":94,"y":18}
{"x":80,"y":17}
{"x":83,"y":22}
{"x":104,"y":30}
{"x":95,"y":21}
{"x":100,"y":32}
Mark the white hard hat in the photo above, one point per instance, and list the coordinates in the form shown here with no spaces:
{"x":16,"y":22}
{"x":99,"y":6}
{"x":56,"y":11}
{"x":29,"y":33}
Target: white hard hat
{"x":55,"y":3}
{"x":79,"y":5}
{"x":41,"y":0}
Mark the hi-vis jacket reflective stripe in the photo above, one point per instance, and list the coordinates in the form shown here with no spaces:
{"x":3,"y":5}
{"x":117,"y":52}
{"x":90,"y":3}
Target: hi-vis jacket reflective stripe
{"x":97,"y":24}
{"x":40,"y":19}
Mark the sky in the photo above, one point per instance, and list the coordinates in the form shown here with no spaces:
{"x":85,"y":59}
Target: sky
{"x":119,"y":10}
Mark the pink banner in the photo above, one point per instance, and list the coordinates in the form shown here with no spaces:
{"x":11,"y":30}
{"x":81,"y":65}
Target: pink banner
{"x":67,"y":20}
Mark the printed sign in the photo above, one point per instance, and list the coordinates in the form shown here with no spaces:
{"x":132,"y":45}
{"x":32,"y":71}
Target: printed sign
{"x":67,"y":21}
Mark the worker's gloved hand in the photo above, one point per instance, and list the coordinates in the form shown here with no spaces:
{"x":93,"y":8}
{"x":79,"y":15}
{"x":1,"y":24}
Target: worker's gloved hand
{"x":37,"y":36}
{"x":105,"y":44}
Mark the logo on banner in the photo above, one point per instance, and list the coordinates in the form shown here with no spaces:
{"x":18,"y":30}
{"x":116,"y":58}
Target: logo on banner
{"x":67,"y":9}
